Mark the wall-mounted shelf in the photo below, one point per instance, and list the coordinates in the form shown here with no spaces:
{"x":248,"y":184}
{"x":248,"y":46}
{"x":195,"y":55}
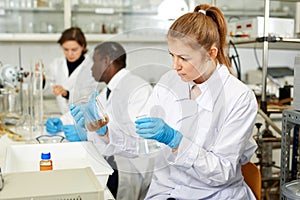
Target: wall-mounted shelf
{"x":254,"y":13}
{"x":41,"y":9}
{"x":39,"y":37}
{"x":274,"y":43}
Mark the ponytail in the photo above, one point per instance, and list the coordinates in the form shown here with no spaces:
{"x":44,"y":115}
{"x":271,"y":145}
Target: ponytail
{"x":207,"y":26}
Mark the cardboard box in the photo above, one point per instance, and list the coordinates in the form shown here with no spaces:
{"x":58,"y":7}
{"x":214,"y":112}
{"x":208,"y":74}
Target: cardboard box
{"x":69,"y":155}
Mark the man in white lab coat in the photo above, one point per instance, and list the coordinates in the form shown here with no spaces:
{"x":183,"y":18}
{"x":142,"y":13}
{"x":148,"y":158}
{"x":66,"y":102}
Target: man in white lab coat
{"x":123,"y":99}
{"x":127,"y":97}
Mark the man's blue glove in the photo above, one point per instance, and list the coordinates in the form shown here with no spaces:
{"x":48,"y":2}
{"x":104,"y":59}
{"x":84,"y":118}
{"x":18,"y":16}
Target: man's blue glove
{"x":80,"y":121}
{"x":102,"y":131}
{"x":54,"y":125}
{"x":157,"y":129}
{"x":77,"y":114}
{"x":86,"y":113}
{"x":74,"y":133}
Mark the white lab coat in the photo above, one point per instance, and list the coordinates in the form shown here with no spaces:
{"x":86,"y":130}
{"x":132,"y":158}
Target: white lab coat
{"x":129,"y":94}
{"x":80,"y":83}
{"x":217,"y":138}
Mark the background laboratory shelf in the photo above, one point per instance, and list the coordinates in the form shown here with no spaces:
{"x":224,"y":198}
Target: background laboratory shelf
{"x":41,"y":20}
{"x":99,"y":20}
{"x":52,"y":38}
{"x":274,"y":43}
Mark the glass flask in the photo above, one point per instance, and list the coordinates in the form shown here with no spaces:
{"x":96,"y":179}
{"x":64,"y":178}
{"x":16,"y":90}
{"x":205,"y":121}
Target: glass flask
{"x":95,"y":116}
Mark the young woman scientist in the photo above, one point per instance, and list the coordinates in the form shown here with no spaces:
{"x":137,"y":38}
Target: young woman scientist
{"x":206,"y":115}
{"x":72,"y":72}
{"x":201,"y":114}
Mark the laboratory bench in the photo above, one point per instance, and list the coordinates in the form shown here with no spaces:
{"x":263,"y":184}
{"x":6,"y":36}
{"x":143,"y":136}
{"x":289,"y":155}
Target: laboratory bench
{"x":8,"y":139}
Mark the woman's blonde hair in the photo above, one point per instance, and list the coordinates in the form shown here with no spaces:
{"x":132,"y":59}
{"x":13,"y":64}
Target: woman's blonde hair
{"x":207,"y":26}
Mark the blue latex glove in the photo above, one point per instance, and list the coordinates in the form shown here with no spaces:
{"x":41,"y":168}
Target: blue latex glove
{"x":157,"y":129}
{"x":80,"y":121}
{"x":79,"y":112}
{"x":53,"y":125}
{"x":102,"y":130}
{"x":74,"y":133}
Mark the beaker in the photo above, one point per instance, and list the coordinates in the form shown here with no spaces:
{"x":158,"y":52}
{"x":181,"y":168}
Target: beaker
{"x":95,"y":116}
{"x":146,"y":146}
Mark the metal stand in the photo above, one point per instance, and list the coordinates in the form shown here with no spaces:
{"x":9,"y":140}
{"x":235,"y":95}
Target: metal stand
{"x":263,"y":104}
{"x":290,"y":120}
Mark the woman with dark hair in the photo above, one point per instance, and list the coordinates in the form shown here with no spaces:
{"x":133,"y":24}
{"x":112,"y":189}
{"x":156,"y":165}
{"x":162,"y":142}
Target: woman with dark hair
{"x":70,"y":76}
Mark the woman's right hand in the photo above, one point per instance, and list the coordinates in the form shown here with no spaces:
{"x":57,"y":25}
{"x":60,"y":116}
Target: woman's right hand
{"x":54,"y":125}
{"x":59,"y":90}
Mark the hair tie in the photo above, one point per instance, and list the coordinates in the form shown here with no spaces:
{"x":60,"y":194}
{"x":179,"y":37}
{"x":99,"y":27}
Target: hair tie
{"x":202,"y":11}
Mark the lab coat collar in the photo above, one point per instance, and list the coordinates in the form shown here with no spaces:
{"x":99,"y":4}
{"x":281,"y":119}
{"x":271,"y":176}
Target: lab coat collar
{"x":113,"y":83}
{"x":74,"y":76}
{"x":212,"y":88}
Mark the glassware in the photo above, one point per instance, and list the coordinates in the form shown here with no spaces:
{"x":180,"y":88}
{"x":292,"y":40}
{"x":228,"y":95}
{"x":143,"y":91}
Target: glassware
{"x":146,"y":146}
{"x":96,"y":118}
{"x":52,"y":82}
{"x":45,"y":139}
{"x":1,"y":180}
{"x":46,"y":162}
{"x":32,"y":103}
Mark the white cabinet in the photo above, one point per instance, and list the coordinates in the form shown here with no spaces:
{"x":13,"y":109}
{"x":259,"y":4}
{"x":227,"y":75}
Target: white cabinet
{"x":44,"y":20}
{"x":31,"y":16}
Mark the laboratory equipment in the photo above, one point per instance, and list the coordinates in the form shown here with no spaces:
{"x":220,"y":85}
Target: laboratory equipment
{"x":279,"y":27}
{"x":49,"y":139}
{"x":55,"y":184}
{"x":10,"y":95}
{"x":32,"y":103}
{"x":66,"y":155}
{"x":95,"y":115}
{"x":22,"y":98}
{"x":9,"y":75}
{"x":267,"y":142}
{"x":291,"y":190}
{"x":145,"y":147}
{"x":290,"y":165}
{"x":296,"y":102}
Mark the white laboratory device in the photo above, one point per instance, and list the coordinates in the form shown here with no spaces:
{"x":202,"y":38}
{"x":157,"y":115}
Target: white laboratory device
{"x":253,"y":28}
{"x":77,"y":184}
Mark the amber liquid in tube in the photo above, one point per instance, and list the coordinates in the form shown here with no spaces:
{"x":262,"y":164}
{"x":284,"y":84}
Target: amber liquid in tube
{"x":93,"y":126}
